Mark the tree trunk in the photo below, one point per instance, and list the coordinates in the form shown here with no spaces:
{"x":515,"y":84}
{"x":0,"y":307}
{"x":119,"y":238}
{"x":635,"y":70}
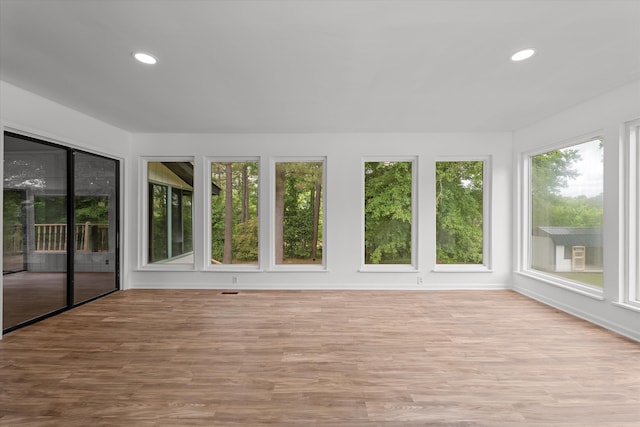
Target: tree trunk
{"x":228,"y":215}
{"x":316,"y":220}
{"x":279,"y":216}
{"x":245,"y":194}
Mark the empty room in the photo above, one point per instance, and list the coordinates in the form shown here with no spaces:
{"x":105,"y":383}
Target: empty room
{"x":320,"y":213}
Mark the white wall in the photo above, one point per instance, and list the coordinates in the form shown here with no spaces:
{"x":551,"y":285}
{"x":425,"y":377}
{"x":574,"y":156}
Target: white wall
{"x":24,"y":112}
{"x":29,"y":114}
{"x":344,"y":154}
{"x":606,"y":115}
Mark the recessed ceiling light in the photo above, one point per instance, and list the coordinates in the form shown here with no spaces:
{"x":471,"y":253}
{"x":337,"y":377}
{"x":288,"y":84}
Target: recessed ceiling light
{"x":523,"y":54}
{"x":145,"y":58}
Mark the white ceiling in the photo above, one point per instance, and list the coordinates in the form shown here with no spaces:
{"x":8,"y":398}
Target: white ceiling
{"x":319,"y":66}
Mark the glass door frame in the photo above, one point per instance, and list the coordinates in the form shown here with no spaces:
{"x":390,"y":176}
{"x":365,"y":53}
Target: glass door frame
{"x":70,"y":206}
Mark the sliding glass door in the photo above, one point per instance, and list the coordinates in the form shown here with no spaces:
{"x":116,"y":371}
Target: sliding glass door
{"x":35,"y":235}
{"x":60,"y":216}
{"x":95,"y":214}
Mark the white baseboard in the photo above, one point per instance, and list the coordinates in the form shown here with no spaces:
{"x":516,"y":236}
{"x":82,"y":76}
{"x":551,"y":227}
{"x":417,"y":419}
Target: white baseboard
{"x":324,"y":286}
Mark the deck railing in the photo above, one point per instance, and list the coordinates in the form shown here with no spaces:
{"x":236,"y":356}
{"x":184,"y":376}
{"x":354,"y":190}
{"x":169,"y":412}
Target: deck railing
{"x":88,"y":237}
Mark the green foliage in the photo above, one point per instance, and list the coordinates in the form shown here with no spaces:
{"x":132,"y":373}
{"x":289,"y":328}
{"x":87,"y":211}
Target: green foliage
{"x":575,"y":212}
{"x":158,"y":216}
{"x":187,"y":221}
{"x":50,"y":209}
{"x":301,"y":179}
{"x":12,"y":207}
{"x":298,"y":216}
{"x":246,"y":240}
{"x":93,"y":209}
{"x":459,"y":201}
{"x":244,"y":233}
{"x":53,"y":209}
{"x":388,"y":212}
{"x":551,"y":172}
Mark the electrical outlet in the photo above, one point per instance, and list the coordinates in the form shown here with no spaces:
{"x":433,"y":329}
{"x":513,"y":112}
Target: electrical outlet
{"x":419,"y":280}
{"x":234,"y":279}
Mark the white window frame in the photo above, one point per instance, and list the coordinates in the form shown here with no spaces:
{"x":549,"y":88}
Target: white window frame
{"x":631,"y":212}
{"x":322,"y":267}
{"x":143,"y":219}
{"x":208,"y":199}
{"x":524,"y":229}
{"x":392,"y":268}
{"x":486,"y":266}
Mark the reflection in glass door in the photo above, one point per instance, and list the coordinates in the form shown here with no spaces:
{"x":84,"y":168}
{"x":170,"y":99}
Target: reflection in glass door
{"x":34,"y":263}
{"x":49,"y":237}
{"x":95,"y":213}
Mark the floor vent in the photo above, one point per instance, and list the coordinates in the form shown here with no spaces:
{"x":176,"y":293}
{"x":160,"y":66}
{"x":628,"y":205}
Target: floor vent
{"x":229,"y":292}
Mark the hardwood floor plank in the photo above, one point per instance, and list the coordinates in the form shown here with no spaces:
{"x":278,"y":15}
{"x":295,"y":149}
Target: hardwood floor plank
{"x":317,"y":358}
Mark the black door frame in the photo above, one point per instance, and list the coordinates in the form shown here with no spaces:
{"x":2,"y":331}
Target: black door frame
{"x":71,"y":227}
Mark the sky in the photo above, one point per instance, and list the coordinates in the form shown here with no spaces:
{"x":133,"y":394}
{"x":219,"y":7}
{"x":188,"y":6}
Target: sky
{"x":590,"y":181}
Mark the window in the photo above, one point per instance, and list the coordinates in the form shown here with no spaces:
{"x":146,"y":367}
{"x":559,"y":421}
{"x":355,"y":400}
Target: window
{"x":632,"y":232}
{"x":460,"y":213}
{"x":566,"y":214}
{"x":234,"y":212}
{"x":299,"y":212}
{"x":389,"y":214}
{"x":170,"y":211}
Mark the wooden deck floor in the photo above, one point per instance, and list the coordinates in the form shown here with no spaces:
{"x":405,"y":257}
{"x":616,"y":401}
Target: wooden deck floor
{"x":317,"y":358}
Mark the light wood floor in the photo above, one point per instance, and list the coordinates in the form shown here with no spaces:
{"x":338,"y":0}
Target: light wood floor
{"x":311,"y":358}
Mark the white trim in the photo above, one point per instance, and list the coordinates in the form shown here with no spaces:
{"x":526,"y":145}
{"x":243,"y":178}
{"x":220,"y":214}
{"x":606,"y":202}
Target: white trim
{"x":208,"y":266}
{"x":392,"y":268}
{"x":273,"y":267}
{"x":587,"y":316}
{"x":388,"y":268}
{"x":487,"y":199}
{"x":143,"y":263}
{"x":577,"y":287}
{"x":628,"y":305}
{"x":461,"y":268}
{"x":324,"y":286}
{"x":630,"y":213}
{"x":567,"y":143}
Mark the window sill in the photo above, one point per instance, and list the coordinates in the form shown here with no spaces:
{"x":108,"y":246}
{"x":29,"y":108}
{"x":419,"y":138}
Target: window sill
{"x":461,"y":268}
{"x":576,"y":287}
{"x":233,"y":268}
{"x":298,"y":268}
{"x":388,"y":268}
{"x":167,"y":267}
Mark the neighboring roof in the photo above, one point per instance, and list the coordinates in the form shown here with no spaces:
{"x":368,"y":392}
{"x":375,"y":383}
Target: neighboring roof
{"x":184,"y":170}
{"x":572,"y":236}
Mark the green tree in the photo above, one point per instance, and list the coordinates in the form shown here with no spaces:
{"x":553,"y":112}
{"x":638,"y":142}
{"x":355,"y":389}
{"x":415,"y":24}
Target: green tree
{"x":459,"y":209}
{"x":94,"y":209}
{"x":246,"y":240}
{"x":550,"y":173}
{"x":388,"y":212}
{"x":234,"y":212}
{"x":298,"y":220}
{"x":578,"y":211}
{"x":227,"y":252}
